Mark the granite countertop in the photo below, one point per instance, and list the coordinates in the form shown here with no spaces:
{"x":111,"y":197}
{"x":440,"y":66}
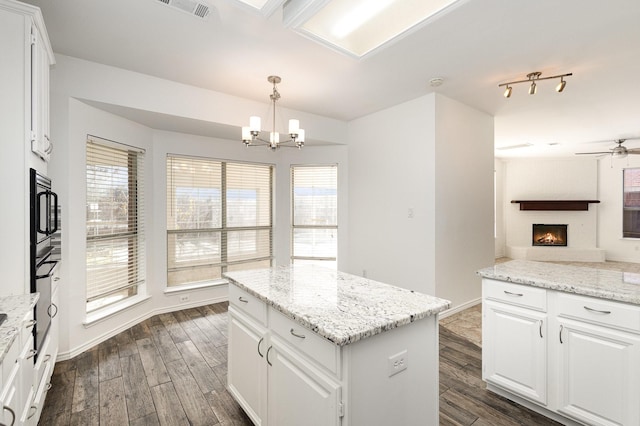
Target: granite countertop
{"x":604,"y":284}
{"x":16,"y":307}
{"x":340,"y":307}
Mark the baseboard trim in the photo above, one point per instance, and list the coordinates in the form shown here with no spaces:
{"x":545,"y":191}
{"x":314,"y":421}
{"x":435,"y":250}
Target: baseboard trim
{"x":459,"y":308}
{"x":72,"y":353}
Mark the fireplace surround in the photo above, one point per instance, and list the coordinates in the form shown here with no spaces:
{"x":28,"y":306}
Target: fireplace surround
{"x":549,"y":235}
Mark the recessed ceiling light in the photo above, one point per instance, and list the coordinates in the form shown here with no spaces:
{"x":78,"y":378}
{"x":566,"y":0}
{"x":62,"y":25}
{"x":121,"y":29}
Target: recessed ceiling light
{"x":358,"y":27}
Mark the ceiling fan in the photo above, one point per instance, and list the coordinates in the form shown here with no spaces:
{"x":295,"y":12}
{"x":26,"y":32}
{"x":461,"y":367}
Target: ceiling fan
{"x":619,"y":151}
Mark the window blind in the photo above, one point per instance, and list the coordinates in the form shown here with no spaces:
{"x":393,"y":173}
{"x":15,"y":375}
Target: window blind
{"x":315,"y":214}
{"x":218,"y":218}
{"x":115,"y":255}
{"x":631,"y":203}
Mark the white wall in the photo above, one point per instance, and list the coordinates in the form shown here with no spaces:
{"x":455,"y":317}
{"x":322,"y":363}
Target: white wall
{"x":500,"y":236}
{"x":430,"y":158}
{"x":464,"y":199}
{"x":551,"y":179}
{"x":610,"y":210}
{"x":74,"y":80}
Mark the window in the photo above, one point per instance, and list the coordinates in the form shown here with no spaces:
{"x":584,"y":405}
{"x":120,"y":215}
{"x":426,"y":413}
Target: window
{"x":115,"y":211}
{"x":218,"y":218}
{"x":631,"y":204}
{"x":314,"y":231}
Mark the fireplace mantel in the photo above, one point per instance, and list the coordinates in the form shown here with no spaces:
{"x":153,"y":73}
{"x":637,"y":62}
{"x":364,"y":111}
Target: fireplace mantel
{"x":554,"y":204}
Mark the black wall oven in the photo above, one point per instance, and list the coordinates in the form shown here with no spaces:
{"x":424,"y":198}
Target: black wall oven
{"x":44,"y":228}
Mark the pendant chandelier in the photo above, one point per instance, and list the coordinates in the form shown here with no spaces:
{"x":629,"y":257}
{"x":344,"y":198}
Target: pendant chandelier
{"x":251,"y":133}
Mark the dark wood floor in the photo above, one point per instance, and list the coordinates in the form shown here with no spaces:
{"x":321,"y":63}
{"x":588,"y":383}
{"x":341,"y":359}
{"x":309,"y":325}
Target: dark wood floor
{"x":171,"y":370}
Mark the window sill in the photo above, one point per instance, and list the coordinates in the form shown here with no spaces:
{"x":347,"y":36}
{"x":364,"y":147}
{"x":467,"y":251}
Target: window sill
{"x":195,"y":286}
{"x":104,"y":313}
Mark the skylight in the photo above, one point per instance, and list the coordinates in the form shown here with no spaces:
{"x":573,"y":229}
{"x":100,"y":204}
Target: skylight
{"x":358,"y":27}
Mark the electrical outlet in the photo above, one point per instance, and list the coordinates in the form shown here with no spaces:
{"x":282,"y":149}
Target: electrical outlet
{"x":397,"y":363}
{"x":184,"y":298}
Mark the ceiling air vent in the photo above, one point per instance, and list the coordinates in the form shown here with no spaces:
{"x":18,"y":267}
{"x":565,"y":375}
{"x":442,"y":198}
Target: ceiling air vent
{"x":192,"y":7}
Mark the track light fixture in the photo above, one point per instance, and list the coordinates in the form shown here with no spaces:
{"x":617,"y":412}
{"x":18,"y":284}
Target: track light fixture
{"x":533,"y":78}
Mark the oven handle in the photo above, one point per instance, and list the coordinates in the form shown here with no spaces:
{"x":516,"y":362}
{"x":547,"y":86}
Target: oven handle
{"x":39,"y":207}
{"x":55,"y":212}
{"x":50,"y":273}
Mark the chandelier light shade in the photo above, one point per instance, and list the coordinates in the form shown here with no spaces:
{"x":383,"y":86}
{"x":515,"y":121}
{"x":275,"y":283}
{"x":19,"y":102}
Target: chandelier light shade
{"x":251,"y":133}
{"x":533,"y":78}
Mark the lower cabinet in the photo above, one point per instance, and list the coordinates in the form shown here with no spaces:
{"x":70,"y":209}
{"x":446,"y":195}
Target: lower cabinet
{"x":583,"y":366}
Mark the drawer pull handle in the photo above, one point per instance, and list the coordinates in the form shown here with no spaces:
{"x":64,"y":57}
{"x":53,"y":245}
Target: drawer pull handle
{"x":13,"y":415}
{"x":597,"y":311}
{"x":32,"y":413}
{"x":269,"y":350}
{"x":299,"y":336}
{"x":56,"y":278}
{"x":47,"y":358}
{"x":30,"y":324}
{"x":49,"y":386}
{"x":32,"y":353}
{"x":561,"y":327}
{"x":540,"y":329}
{"x":260,"y":353}
{"x":513,"y":294}
{"x":243,"y":300}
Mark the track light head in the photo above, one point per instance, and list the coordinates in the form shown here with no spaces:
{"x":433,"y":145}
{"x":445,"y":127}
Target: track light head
{"x":507,"y":92}
{"x":561,"y":85}
{"x":532,"y":88}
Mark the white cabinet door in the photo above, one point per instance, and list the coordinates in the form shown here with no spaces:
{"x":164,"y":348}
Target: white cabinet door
{"x":40,"y":140}
{"x":599,"y":374}
{"x":298,"y":393}
{"x":247,"y":369}
{"x":514,"y":349}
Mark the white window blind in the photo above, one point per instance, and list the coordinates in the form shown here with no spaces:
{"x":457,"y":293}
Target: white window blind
{"x":631,"y":206}
{"x":218,"y":218}
{"x":315,"y":214}
{"x":115,"y":255}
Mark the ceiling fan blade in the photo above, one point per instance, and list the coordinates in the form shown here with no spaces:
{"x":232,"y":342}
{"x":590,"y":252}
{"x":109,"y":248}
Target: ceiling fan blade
{"x":591,"y":153}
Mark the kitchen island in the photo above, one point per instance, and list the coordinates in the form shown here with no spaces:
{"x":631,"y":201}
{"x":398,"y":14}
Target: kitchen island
{"x":313,"y":346}
{"x":563,"y":340}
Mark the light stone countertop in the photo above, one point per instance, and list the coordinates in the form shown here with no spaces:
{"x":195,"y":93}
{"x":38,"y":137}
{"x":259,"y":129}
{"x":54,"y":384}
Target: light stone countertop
{"x":604,"y":284}
{"x":16,"y":307}
{"x":340,"y":307}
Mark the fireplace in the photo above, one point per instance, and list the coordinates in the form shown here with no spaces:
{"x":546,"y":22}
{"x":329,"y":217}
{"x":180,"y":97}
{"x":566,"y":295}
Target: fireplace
{"x":549,"y":235}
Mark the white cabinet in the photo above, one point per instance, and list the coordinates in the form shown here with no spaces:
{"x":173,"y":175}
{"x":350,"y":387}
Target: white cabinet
{"x":515,"y":349}
{"x":599,"y":361}
{"x":574,"y":358}
{"x":40,"y":63}
{"x":247,"y":370}
{"x":300,"y":394}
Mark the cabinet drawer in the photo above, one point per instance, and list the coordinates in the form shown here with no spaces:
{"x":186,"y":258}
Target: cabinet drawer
{"x":599,"y":311}
{"x":10,"y":363}
{"x":515,"y":294}
{"x":248,"y":303}
{"x":26,"y":327}
{"x":315,"y":347}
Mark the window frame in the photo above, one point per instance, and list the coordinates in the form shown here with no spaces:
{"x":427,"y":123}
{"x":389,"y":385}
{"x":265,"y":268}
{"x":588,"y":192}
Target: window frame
{"x":294,"y":226}
{"x":633,"y":234}
{"x":133,"y":236}
{"x":224,"y":230}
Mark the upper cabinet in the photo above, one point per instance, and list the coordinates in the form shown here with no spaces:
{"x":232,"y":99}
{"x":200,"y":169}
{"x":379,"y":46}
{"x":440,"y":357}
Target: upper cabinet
{"x":27,"y":58}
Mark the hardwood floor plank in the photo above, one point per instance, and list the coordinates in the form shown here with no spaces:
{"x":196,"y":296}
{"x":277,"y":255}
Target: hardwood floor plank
{"x":164,"y":343}
{"x":192,"y":399}
{"x":204,"y":375}
{"x":148,"y":420}
{"x":174,"y":328}
{"x":227,"y":409}
{"x":85,"y":393}
{"x":168,"y":407}
{"x":213,"y":334}
{"x":152,"y":362}
{"x":126,"y":343}
{"x":113,"y":408}
{"x":59,"y":397}
{"x":136,"y":389}
{"x":141,"y":330}
{"x":108,"y":361}
{"x":88,"y":417}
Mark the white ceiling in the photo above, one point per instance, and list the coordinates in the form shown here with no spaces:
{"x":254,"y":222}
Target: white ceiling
{"x":473,"y":47}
